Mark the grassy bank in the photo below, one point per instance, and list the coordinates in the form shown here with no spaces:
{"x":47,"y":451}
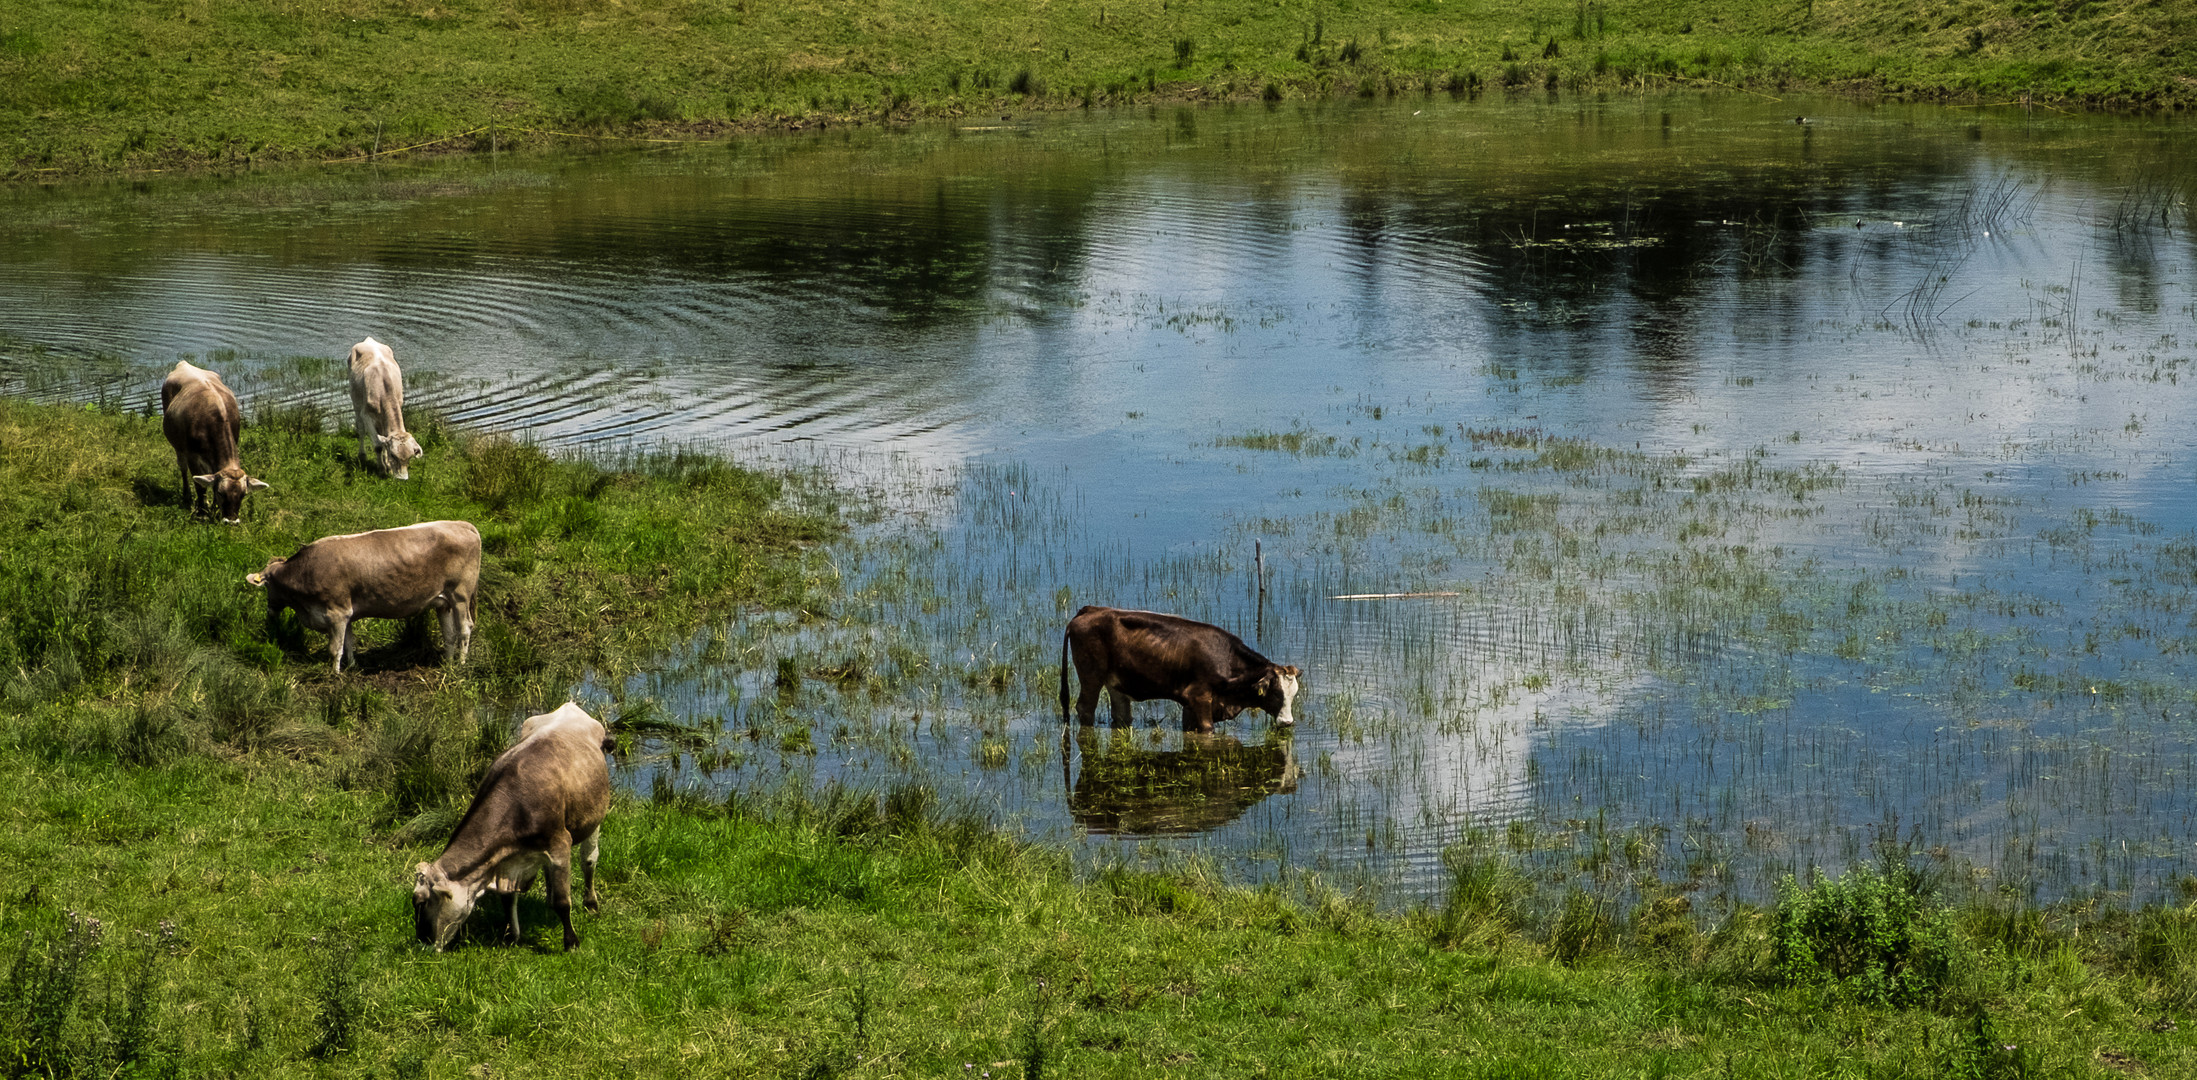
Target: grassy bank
{"x":252,"y":921}
{"x":137,"y":85}
{"x":205,"y":869}
{"x":126,"y":630}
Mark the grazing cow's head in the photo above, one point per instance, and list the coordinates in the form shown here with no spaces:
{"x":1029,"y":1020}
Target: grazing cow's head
{"x":1277,"y":691}
{"x":439,"y":905}
{"x":397,"y":452}
{"x":227,"y":489}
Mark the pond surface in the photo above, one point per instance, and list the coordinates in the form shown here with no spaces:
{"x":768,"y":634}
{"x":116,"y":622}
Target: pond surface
{"x":1788,"y":485}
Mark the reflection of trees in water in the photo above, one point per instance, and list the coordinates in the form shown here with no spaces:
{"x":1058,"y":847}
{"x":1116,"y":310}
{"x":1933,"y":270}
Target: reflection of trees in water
{"x":1124,"y":787}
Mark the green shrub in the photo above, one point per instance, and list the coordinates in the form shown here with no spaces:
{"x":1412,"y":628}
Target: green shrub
{"x":1872,"y":934}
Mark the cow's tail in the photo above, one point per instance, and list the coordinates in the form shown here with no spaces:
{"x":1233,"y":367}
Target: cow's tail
{"x":1064,"y":676}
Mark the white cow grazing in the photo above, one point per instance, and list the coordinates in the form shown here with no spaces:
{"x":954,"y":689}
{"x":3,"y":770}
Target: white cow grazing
{"x":542,"y":799}
{"x":377,"y":401}
{"x":385,"y":574}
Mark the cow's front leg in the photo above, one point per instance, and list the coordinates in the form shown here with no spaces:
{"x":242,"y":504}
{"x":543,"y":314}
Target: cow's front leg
{"x":511,"y":915}
{"x":559,"y":882}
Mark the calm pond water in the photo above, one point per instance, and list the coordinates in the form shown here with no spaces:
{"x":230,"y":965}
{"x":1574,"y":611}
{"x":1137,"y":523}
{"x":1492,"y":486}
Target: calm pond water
{"x":1791,"y":483}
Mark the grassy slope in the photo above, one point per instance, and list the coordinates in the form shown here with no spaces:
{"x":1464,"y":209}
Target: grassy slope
{"x":174,"y":769}
{"x":135,"y":84}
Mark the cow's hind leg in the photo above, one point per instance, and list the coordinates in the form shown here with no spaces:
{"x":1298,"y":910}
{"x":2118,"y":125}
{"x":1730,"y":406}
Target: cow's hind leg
{"x":590,"y":848}
{"x":1087,"y":701}
{"x":1197,"y":714}
{"x":339,"y":639}
{"x":363,"y":420}
{"x":446,"y":617}
{"x":461,"y":608}
{"x":559,"y":881}
{"x":192,"y":493}
{"x":511,"y":914}
{"x":1120,"y":705}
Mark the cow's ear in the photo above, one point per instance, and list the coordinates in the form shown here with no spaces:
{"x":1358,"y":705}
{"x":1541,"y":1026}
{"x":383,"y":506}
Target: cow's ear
{"x":382,"y":441}
{"x":1292,"y":671}
{"x":257,"y":581}
{"x":253,"y":483}
{"x":205,"y":480}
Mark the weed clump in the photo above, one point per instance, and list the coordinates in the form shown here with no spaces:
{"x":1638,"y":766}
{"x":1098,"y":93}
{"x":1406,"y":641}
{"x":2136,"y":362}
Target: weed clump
{"x":1486,"y":901}
{"x":2163,"y":949}
{"x":337,"y":1010}
{"x":53,"y":1023}
{"x":502,"y":473}
{"x":1872,"y":934}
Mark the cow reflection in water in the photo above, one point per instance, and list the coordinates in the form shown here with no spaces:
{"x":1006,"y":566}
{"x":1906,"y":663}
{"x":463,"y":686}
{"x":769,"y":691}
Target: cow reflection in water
{"x":1125,"y":787}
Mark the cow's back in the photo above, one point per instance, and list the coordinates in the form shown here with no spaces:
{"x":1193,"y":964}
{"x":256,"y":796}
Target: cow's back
{"x":200,"y":417}
{"x":388,"y":573}
{"x":1150,"y":654}
{"x":554,"y":777}
{"x":377,"y":385}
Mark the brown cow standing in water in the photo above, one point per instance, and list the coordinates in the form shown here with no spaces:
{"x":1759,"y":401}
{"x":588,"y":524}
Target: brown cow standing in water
{"x":1141,"y":655}
{"x":541,"y":799}
{"x":200,"y":417}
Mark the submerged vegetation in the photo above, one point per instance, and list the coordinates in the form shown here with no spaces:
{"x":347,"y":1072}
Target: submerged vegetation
{"x":135,"y":85}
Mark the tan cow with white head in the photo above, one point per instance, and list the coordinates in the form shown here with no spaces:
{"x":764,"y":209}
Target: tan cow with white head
{"x":377,"y":405}
{"x":385,"y":574}
{"x":200,"y":417}
{"x":541,"y":799}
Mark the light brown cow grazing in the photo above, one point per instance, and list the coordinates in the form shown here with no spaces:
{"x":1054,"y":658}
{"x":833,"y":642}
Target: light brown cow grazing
{"x":385,"y":574}
{"x":541,"y":799}
{"x":201,"y":419}
{"x":377,"y":404}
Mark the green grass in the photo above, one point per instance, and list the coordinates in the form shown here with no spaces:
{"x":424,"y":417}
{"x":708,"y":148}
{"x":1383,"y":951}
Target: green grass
{"x":136,"y":85}
{"x":851,"y":934}
{"x":240,"y":825}
{"x":126,"y":627}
